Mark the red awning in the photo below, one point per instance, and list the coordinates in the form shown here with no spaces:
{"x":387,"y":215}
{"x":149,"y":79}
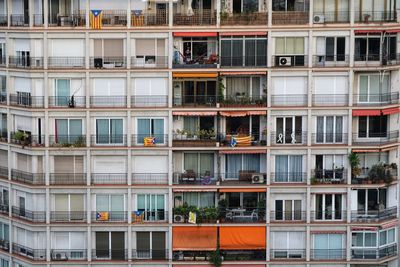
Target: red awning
{"x":366,"y":112}
{"x":242,"y":113}
{"x":242,"y":33}
{"x":191,"y":189}
{"x":390,"y":224}
{"x":243,"y":151}
{"x":257,"y":112}
{"x":364,"y":228}
{"x":388,"y":111}
{"x":328,"y":232}
{"x":195,"y":34}
{"x":194,"y":113}
{"x":368,"y":31}
{"x":234,"y":73}
{"x":365,"y":150}
{"x":393,"y":31}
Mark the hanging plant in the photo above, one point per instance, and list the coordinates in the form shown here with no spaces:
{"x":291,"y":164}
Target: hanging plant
{"x":216,"y":258}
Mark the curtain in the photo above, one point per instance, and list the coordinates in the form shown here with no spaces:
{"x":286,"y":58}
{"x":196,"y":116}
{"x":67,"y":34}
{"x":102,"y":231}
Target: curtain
{"x":207,"y":164}
{"x":61,"y":130}
{"x":191,"y":162}
{"x":329,"y":129}
{"x":339,"y":129}
{"x":143,"y":130}
{"x":320,"y":129}
{"x":256,"y":87}
{"x":281,"y":168}
{"x":296,"y":168}
{"x":190,"y":124}
{"x":191,"y":198}
{"x":102,"y":203}
{"x":75,"y":129}
{"x":116,"y":131}
{"x":374,"y":88}
{"x":62,"y":92}
{"x":102,"y":131}
{"x":141,"y":202}
{"x":280,"y":46}
{"x":207,"y":200}
{"x":321,"y":246}
{"x":158,"y":130}
{"x":251,"y":162}
{"x":237,"y":86}
{"x":117,"y":207}
{"x":233,"y":166}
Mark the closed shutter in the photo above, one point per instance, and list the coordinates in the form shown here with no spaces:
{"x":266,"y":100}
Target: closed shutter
{"x":113,"y":48}
{"x":61,"y":202}
{"x":98,"y":48}
{"x":77,"y":203}
{"x":61,"y":240}
{"x":142,"y":241}
{"x":145,"y":47}
{"x":40,"y":164}
{"x":22,"y":85}
{"x":23,"y":123}
{"x":24,"y":162}
{"x":158,"y":245}
{"x":3,"y":158}
{"x":64,"y":164}
{"x":79,"y":164}
{"x":77,"y":240}
{"x":161,"y":47}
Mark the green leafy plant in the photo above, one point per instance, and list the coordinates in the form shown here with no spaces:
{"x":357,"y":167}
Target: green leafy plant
{"x":380,"y":172}
{"x":354,"y":162}
{"x":215,"y":258}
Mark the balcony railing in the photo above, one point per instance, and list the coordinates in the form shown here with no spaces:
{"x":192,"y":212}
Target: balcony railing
{"x":68,"y":254}
{"x":288,"y":177}
{"x":290,"y":17}
{"x":244,"y":61}
{"x":27,"y":177}
{"x":68,"y":216}
{"x":3,"y":136}
{"x":141,"y":18}
{"x":331,"y":17}
{"x":68,"y":178}
{"x":195,"y":100}
{"x":324,"y":176}
{"x":374,"y":16}
{"x":27,"y":140}
{"x":68,"y":20}
{"x":67,"y":140}
{"x":191,"y":255}
{"x":243,"y":215}
{"x":108,"y":101}
{"x":110,"y":254}
{"x":329,"y":138}
{"x":5,"y":245}
{"x":289,"y":100}
{"x":243,"y":101}
{"x":328,"y":254}
{"x":114,"y":18}
{"x":376,"y":59}
{"x":374,"y":215}
{"x":25,"y":62}
{"x":3,"y":97}
{"x":66,"y":62}
{"x":150,"y":178}
{"x":109,"y":140}
{"x":373,"y":253}
{"x":193,"y":178}
{"x":4,"y":209}
{"x":149,"y":101}
{"x":233,"y":140}
{"x":4,"y":172}
{"x":149,"y":140}
{"x":287,"y":61}
{"x":244,"y":255}
{"x":289,"y":138}
{"x":33,"y":254}
{"x":288,"y":254}
{"x":67,"y":101}
{"x":3,"y":20}
{"x":19,"y":20}
{"x":38,"y":20}
{"x":108,"y":62}
{"x":372,"y":139}
{"x":330,"y":100}
{"x":200,"y":17}
{"x":28,"y":215}
{"x":243,"y":177}
{"x":290,"y":216}
{"x":109,"y":178}
{"x":197,"y":62}
{"x":27,"y":101}
{"x":376,"y":99}
{"x":328,"y":215}
{"x":150,"y":254}
{"x":193,"y":140}
{"x":109,"y":216}
{"x":149,"y":216}
{"x":150,"y":62}
{"x":253,"y":18}
{"x":330,"y":61}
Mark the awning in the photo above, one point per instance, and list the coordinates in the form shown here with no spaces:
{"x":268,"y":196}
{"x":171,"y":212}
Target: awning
{"x":390,"y":224}
{"x":366,"y":112}
{"x":242,"y":190}
{"x":194,"y":113}
{"x":365,"y":150}
{"x":191,"y":189}
{"x":257,"y":112}
{"x":393,"y":31}
{"x":195,"y":74}
{"x":364,"y":228}
{"x":243,"y":151}
{"x":195,"y":34}
{"x":242,"y":237}
{"x":388,"y":111}
{"x":389,"y":148}
{"x":328,"y":232}
{"x":242,"y":33}
{"x":368,"y":31}
{"x":234,"y":73}
{"x":242,"y":113}
{"x":194,"y":238}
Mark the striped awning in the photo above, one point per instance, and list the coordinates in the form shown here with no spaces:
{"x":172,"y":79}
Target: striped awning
{"x":194,"y":113}
{"x":243,"y":33}
{"x":366,"y":112}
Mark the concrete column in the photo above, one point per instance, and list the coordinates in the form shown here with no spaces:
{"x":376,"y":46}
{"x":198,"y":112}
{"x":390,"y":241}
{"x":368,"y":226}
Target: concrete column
{"x":269,"y":10}
{"x":9,"y":11}
{"x":31,"y":14}
{"x":128,"y":15}
{"x":87,"y":12}
{"x":48,"y":243}
{"x":46,"y":13}
{"x":170,"y":13}
{"x":352,"y":12}
{"x":87,"y":49}
{"x":128,"y":50}
{"x":89,"y":242}
{"x":308,"y":205}
{"x":45,"y":51}
{"x":128,"y":95}
{"x":218,"y":13}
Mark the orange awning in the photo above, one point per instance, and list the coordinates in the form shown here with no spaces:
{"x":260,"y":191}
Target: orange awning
{"x":233,"y":113}
{"x":244,"y":190}
{"x":243,"y":151}
{"x":242,"y":237}
{"x":390,"y":224}
{"x":257,"y":112}
{"x":194,"y":113}
{"x":366,"y":112}
{"x":388,"y":148}
{"x":194,"y":238}
{"x":195,"y":74}
{"x":232,"y":73}
{"x":388,"y":111}
{"x":195,"y":34}
{"x":365,"y":150}
{"x":242,"y":33}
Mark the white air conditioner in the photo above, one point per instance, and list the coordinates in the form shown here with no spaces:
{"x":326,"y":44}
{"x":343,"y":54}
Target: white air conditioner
{"x":257,"y":178}
{"x":285,"y":61}
{"x":59,"y":256}
{"x":319,"y":19}
{"x":178,"y":219}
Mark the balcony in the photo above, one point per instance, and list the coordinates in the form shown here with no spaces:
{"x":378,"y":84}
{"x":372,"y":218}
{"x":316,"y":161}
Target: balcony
{"x":243,"y":101}
{"x":3,"y":136}
{"x":327,"y":254}
{"x":288,"y":254}
{"x":109,"y":140}
{"x":111,"y":18}
{"x":289,"y":138}
{"x":110,"y":254}
{"x":150,"y":178}
{"x":329,"y":138}
{"x":196,"y":62}
{"x":25,"y":62}
{"x":4,"y":172}
{"x":288,"y":177}
{"x":66,"y":62}
{"x":243,"y":215}
{"x":374,"y":16}
{"x":109,"y":216}
{"x":228,"y":255}
{"x":324,"y":176}
{"x":201,"y":139}
{"x":149,"y":101}
{"x":242,"y":140}
{"x":324,"y":61}
{"x":109,"y":179}
{"x":27,"y":177}
{"x":3,"y":97}
{"x":3,"y":20}
{"x":68,"y":179}
{"x":373,"y":253}
{"x":328,"y":215}
{"x":19,"y":20}
{"x":195,"y":101}
{"x":374,"y":215}
{"x":375,"y":139}
{"x":150,"y":62}
{"x":68,"y":216}
{"x":108,"y":62}
{"x":192,"y":178}
{"x":108,"y":101}
{"x":244,"y":61}
{"x":376,"y":60}
{"x":26,"y":101}
{"x":38,"y":20}
{"x":5,"y":245}
{"x":67,"y":140}
{"x":28,"y":215}
{"x":200,"y":17}
{"x":287,"y":61}
{"x":376,"y":99}
{"x":251,"y":18}
{"x":149,"y":140}
{"x":68,"y":20}
{"x":149,"y":216}
{"x":32,"y":254}
{"x":288,"y":216}
{"x":67,"y":101}
{"x":150,"y":254}
{"x":329,"y":100}
{"x":68,"y":254}
{"x":331,"y":17}
{"x":243,"y":177}
{"x":289,"y":100}
{"x":25,"y":139}
{"x":4,"y":209}
{"x":141,"y":18}
{"x":380,"y":173}
{"x":290,"y":17}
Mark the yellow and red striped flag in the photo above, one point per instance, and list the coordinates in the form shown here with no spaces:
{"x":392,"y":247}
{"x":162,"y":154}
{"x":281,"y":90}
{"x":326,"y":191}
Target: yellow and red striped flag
{"x":96,"y":18}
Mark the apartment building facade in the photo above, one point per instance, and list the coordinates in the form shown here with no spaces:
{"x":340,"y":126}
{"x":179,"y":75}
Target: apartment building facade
{"x":191,"y":132}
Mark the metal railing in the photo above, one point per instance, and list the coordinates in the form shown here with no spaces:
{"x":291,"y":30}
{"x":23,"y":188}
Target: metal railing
{"x":68,"y":216}
{"x":27,"y":101}
{"x":108,"y":62}
{"x":193,"y":140}
{"x":376,"y":99}
{"x":3,"y":20}
{"x":149,"y":101}
{"x":3,"y":172}
{"x":28,"y":140}
{"x":33,"y":254}
{"x":150,"y":254}
{"x":252,"y":18}
{"x":376,"y":59}
{"x":108,"y":101}
{"x":290,"y":17}
{"x":195,"y":100}
{"x":27,"y":177}
{"x":5,"y":245}
{"x":19,"y":20}
{"x":4,"y":209}
{"x":244,"y":61}
{"x":150,"y":178}
{"x":243,"y":176}
{"x":368,"y":139}
{"x":289,"y":100}
{"x":149,"y":61}
{"x":68,"y":179}
{"x":198,"y":18}
{"x":109,"y":140}
{"x":329,"y":138}
{"x":332,"y":17}
{"x":293,"y":216}
{"x":326,"y":176}
{"x":112,"y":216}
{"x":373,"y":253}
{"x":362,"y":16}
{"x":244,"y":255}
{"x":193,"y":178}
{"x":28,"y":215}
{"x":324,"y":100}
{"x":287,"y":61}
{"x":66,"y":62}
{"x":243,"y":215}
{"x":288,"y":254}
{"x":240,"y":101}
{"x":3,"y":135}
{"x":67,"y":101}
{"x":25,"y":62}
{"x":149,"y":216}
{"x":288,"y":177}
{"x":145,"y":140}
{"x":141,"y":18}
{"x":68,"y":254}
{"x":3,"y":97}
{"x":110,"y":254}
{"x":328,"y":215}
{"x":331,"y":61}
{"x":114,"y":18}
{"x":231,"y":139}
{"x":327,"y":254}
{"x":68,"y":20}
{"x":109,"y":178}
{"x":67,"y":140}
{"x":38,"y":20}
{"x":289,"y":138}
{"x":373,"y":215}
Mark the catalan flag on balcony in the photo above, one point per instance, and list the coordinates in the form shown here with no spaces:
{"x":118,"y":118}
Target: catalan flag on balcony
{"x":102,"y":216}
{"x":240,"y":141}
{"x":96,"y":18}
{"x":149,"y":141}
{"x":137,"y":216}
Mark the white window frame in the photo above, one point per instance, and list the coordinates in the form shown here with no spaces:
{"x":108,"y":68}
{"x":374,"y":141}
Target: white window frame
{"x":334,"y":209}
{"x":109,"y":128}
{"x":335,"y":133}
{"x":148,"y":198}
{"x":293,"y":211}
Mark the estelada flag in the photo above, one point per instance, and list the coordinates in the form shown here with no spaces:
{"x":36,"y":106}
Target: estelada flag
{"x":96,"y":18}
{"x":149,"y":141}
{"x":102,"y":216}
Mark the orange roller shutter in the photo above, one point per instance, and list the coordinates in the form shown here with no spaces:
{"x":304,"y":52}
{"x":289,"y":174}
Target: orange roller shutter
{"x":242,"y":237}
{"x":194,"y":238}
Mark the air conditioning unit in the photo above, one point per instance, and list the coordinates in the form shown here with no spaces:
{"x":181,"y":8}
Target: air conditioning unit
{"x":257,"y":178}
{"x":178,"y":219}
{"x":285,"y":61}
{"x":319,"y":19}
{"x":59,"y":256}
{"x":98,"y":63}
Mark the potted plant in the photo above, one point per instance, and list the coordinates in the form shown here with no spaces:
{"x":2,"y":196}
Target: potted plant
{"x":222,"y":204}
{"x":354,"y":162}
{"x":215,"y":258}
{"x":21,"y":138}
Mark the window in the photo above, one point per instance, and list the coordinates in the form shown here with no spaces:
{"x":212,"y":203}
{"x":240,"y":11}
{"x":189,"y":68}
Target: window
{"x":371,"y":201}
{"x":247,"y":201}
{"x":62,"y":92}
{"x":288,"y":168}
{"x":150,"y":128}
{"x":372,"y":126}
{"x":371,"y":48}
{"x":113,"y":204}
{"x":289,"y":46}
{"x":289,"y":5}
{"x":244,"y":51}
{"x":198,"y":199}
{"x":330,"y":129}
{"x":289,"y":130}
{"x":147,"y":51}
{"x":4,"y":233}
{"x":329,"y":167}
{"x":328,"y":207}
{"x":374,"y":88}
{"x":150,"y":245}
{"x":152,"y":207}
{"x":110,"y":245}
{"x":23,"y":58}
{"x":288,"y":245}
{"x":73,"y":242}
{"x":328,"y":246}
{"x":196,"y":49}
{"x":111,"y":51}
{"x":364,"y":239}
{"x":240,"y":163}
{"x":4,"y":263}
{"x":109,"y":131}
{"x":200,"y":163}
{"x":240,"y":88}
{"x":193,"y":124}
{"x":331,"y":49}
{"x":69,"y":207}
{"x":68,"y":131}
{"x":288,"y":210}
